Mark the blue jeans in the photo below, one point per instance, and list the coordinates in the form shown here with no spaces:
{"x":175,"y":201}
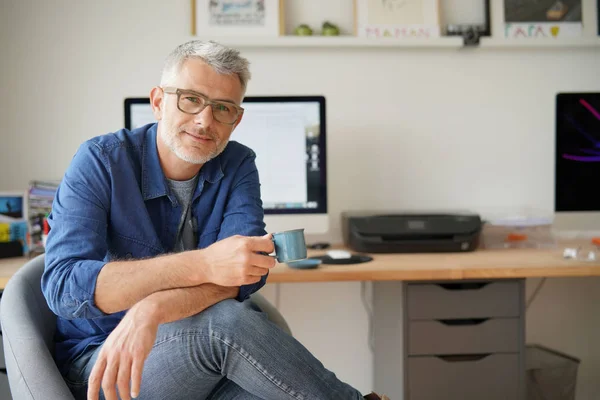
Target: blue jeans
{"x":228,"y":351}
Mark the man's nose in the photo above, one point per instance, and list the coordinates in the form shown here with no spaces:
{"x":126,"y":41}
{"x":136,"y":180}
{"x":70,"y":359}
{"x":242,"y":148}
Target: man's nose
{"x":204,"y":117}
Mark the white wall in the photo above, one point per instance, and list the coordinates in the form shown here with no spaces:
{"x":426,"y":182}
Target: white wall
{"x":407,"y":128}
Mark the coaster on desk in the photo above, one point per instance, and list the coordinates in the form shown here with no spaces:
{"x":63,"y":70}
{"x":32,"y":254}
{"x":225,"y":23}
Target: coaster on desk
{"x":354,"y":259}
{"x":307,"y":263}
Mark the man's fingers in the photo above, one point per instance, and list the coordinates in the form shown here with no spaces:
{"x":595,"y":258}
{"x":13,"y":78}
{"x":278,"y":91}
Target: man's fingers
{"x":136,"y":376}
{"x":123,"y":378}
{"x":95,"y":378}
{"x":261,"y":243}
{"x":262,"y":261}
{"x":257,"y":271}
{"x":109,"y":381}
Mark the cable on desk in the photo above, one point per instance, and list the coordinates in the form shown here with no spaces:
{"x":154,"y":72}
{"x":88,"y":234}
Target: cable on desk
{"x":535,"y":293}
{"x":369,"y":310}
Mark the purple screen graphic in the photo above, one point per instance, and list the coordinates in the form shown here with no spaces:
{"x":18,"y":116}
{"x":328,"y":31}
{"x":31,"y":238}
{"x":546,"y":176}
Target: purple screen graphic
{"x":577,"y":152}
{"x":593,"y":137}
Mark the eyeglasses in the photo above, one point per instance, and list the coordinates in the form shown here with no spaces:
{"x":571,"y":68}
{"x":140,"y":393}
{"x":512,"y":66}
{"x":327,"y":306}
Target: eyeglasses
{"x":191,"y":102}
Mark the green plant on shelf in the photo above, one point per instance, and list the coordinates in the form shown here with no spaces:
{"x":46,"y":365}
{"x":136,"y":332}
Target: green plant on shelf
{"x":328,"y":29}
{"x":303,"y":30}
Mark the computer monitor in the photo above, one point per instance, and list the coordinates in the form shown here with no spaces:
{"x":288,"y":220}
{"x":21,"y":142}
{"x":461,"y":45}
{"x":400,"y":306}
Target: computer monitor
{"x":288,"y":135}
{"x":577,"y":180}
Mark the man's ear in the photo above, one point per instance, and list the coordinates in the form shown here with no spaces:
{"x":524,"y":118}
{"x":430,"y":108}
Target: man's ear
{"x":156,"y":102}
{"x":237,"y":122}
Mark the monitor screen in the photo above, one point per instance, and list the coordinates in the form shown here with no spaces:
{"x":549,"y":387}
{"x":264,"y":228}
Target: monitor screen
{"x":288,"y":135}
{"x":138,"y":112}
{"x":577,"y":152}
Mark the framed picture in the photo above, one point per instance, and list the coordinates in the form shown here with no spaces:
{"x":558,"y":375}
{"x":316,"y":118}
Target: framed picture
{"x":542,"y":19}
{"x":471,"y":21}
{"x":240,"y":18}
{"x":12,"y":205}
{"x":397,"y":19}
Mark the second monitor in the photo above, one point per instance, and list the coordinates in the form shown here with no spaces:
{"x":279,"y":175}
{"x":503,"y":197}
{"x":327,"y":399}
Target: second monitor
{"x":288,"y":135}
{"x":577,"y":167}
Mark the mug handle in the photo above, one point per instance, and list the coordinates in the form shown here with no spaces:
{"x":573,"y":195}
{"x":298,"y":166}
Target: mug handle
{"x":274,"y":254}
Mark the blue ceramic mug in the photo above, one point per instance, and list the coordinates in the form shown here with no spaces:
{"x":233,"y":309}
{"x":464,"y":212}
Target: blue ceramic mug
{"x":289,"y":245}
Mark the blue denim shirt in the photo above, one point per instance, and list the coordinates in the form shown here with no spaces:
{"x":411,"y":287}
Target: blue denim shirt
{"x":114,"y":203}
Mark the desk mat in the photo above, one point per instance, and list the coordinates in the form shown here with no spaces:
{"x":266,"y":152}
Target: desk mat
{"x":354,"y":259}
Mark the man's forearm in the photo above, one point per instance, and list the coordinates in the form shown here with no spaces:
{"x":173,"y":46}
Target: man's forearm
{"x":175,"y":304}
{"x":121,"y":284}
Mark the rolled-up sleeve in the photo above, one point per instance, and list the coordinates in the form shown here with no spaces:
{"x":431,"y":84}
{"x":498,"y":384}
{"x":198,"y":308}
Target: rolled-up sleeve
{"x":76,"y":245}
{"x":244,"y":213}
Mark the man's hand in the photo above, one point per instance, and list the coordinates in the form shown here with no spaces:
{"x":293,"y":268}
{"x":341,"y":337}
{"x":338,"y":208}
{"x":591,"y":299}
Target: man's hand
{"x":236,"y":261}
{"x":122,"y":356}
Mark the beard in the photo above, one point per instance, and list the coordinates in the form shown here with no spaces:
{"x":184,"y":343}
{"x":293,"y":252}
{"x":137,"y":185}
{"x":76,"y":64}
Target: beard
{"x":200,"y":154}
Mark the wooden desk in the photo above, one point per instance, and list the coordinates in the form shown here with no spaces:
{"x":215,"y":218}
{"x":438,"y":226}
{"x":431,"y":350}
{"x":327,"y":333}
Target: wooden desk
{"x":489,"y":264}
{"x":8,"y":267}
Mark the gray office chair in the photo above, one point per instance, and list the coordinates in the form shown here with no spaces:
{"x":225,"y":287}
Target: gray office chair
{"x":28,"y":329}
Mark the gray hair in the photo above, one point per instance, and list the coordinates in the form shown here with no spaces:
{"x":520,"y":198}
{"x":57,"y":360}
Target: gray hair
{"x":223,"y":60}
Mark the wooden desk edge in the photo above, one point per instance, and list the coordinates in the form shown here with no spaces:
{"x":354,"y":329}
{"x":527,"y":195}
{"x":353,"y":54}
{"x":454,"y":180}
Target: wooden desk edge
{"x":293,"y":276}
{"x":504,"y":264}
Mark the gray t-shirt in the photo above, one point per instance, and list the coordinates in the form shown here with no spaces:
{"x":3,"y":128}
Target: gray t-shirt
{"x":186,"y":232}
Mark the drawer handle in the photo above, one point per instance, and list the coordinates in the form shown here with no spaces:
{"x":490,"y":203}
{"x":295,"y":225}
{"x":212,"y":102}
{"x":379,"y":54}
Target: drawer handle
{"x":462,"y":322}
{"x":463,"y":285}
{"x":464,"y":357}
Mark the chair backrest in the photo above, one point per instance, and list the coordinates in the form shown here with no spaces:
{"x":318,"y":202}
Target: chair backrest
{"x":28,"y":327}
{"x":272,"y":313}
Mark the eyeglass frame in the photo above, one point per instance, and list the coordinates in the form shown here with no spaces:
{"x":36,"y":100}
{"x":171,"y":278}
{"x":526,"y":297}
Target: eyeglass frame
{"x":207,"y":103}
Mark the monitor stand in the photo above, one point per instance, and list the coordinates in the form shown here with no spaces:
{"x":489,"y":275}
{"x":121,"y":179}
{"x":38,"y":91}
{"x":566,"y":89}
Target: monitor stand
{"x":312,"y":223}
{"x":576,"y":224}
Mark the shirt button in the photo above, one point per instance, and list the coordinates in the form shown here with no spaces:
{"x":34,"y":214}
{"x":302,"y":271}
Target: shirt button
{"x":128,"y":256}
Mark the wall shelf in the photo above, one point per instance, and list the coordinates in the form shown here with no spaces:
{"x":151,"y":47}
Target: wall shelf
{"x":349,"y":41}
{"x":541,"y":43}
{"x":340,"y":41}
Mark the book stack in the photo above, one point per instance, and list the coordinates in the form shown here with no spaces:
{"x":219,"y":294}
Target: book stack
{"x":39,"y":201}
{"x":13,"y":225}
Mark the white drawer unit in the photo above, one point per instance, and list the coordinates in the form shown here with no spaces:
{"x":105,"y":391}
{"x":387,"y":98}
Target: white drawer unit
{"x":450,"y":340}
{"x":464,"y":340}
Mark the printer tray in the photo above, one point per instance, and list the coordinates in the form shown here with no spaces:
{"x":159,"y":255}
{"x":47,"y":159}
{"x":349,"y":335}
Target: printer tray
{"x":414,"y":244}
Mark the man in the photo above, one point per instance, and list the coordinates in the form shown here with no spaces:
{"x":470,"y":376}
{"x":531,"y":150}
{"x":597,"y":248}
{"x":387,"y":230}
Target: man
{"x":157,"y":240}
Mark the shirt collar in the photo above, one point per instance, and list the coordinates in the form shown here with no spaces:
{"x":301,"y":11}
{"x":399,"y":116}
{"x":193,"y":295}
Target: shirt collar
{"x":153,"y":178}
